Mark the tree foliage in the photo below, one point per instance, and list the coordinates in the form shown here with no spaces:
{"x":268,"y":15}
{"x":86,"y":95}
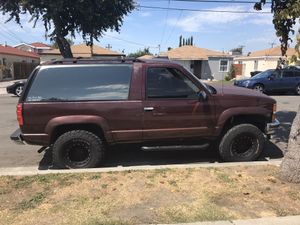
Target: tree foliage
{"x":285,"y":15}
{"x":188,"y":41}
{"x":90,"y":18}
{"x":140,"y":53}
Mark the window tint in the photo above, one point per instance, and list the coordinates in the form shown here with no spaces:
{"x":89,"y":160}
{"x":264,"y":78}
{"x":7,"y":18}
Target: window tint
{"x":224,"y":65}
{"x":169,"y":83}
{"x":297,"y":73}
{"x":287,"y":73}
{"x":88,"y":82}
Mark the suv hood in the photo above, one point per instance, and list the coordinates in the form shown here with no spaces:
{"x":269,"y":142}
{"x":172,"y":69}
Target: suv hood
{"x":243,"y":94}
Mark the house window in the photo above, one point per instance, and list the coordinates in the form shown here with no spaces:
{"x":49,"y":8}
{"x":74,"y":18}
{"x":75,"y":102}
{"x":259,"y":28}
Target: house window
{"x":224,"y":65}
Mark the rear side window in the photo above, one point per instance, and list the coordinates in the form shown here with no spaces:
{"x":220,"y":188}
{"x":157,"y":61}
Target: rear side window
{"x":75,"y":83}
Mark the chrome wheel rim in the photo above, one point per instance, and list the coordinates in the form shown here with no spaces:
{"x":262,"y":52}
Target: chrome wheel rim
{"x":298,"y":89}
{"x":259,"y":88}
{"x":19,"y":90}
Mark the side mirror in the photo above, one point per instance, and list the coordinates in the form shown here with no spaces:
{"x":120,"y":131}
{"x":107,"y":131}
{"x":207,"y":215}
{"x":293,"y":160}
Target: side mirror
{"x":202,"y":96}
{"x":271,"y":77}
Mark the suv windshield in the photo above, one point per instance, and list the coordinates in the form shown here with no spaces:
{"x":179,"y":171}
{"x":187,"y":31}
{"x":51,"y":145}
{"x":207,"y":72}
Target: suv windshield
{"x":263,"y":74}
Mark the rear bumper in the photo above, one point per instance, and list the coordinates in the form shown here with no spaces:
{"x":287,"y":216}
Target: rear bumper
{"x":17,"y":137}
{"x":272,"y":127}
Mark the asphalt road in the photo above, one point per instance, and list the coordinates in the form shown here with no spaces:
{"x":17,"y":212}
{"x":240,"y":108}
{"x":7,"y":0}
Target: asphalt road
{"x":12,"y":155}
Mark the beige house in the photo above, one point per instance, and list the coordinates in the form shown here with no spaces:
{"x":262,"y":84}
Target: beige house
{"x":16,"y":64}
{"x":204,"y":63}
{"x":81,"y":50}
{"x":37,"y":47}
{"x":261,"y":60}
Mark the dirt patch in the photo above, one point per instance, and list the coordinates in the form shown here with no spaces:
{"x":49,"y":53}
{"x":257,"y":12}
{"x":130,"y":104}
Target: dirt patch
{"x":159,"y":196}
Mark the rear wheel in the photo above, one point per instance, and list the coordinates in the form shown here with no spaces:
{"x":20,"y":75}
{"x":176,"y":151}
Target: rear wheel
{"x":298,"y":89}
{"x":242,"y":143}
{"x":259,"y":87}
{"x":78,"y":149}
{"x":19,"y":90}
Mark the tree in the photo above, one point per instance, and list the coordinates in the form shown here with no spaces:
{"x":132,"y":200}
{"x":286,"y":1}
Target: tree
{"x":140,"y":53}
{"x":180,"y":41}
{"x":285,"y":15}
{"x":55,"y":45}
{"x":91,"y":18}
{"x":192,"y":40}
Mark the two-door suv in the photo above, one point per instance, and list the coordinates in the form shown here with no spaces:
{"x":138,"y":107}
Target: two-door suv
{"x":80,"y":107}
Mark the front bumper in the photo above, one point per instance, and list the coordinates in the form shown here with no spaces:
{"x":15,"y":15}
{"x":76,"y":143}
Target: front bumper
{"x":17,"y":137}
{"x":272,"y":127}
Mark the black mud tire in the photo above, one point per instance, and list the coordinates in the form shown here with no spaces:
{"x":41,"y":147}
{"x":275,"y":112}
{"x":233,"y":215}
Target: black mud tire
{"x":77,"y":149}
{"x":242,"y":143}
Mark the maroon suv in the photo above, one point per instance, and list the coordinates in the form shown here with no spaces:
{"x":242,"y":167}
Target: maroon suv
{"x":78,"y":108}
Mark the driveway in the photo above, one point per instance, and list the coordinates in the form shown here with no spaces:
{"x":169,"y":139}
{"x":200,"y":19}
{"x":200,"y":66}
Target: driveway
{"x":13,"y":155}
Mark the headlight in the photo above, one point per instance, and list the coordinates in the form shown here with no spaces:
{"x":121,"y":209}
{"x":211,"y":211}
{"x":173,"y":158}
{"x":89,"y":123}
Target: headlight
{"x":247,"y":83}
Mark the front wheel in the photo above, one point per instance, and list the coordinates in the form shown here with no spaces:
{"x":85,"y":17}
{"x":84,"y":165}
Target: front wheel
{"x":298,"y":89}
{"x":242,"y":143}
{"x":78,"y":149}
{"x":259,"y":87}
{"x":19,"y":90}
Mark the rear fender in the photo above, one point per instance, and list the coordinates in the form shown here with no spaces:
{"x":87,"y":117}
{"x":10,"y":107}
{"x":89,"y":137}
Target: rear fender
{"x":77,"y":120}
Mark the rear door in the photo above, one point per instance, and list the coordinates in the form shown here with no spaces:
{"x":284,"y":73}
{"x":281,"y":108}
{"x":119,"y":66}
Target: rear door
{"x":171,"y":106}
{"x":288,"y":80}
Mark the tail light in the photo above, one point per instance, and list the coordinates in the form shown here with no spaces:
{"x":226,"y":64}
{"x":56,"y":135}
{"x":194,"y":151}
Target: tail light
{"x":20,"y":114}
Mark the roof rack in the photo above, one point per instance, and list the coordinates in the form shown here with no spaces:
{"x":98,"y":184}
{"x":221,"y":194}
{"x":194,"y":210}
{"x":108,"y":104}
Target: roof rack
{"x":81,"y":60}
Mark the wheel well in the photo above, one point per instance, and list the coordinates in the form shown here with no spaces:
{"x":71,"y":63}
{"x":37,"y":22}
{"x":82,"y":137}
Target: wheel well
{"x":95,"y":129}
{"x":256,"y":120}
{"x":259,"y":84}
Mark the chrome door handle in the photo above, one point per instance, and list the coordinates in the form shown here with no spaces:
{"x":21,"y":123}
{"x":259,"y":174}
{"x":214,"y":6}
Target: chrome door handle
{"x":148,"y":109}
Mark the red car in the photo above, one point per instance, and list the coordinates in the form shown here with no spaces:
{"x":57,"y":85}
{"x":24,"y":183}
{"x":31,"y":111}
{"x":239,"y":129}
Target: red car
{"x":80,"y":107}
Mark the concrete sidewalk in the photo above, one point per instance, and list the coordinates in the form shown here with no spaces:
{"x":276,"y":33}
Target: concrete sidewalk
{"x":289,"y":220}
{"x":30,"y":171}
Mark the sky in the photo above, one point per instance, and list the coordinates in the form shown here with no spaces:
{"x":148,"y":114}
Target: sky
{"x":152,"y":28}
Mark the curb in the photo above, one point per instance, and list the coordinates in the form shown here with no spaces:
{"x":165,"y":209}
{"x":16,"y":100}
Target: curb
{"x":289,"y":220}
{"x":30,"y":171}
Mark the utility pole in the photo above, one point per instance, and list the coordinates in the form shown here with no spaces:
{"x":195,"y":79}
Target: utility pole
{"x":272,"y":44}
{"x":109,"y":47}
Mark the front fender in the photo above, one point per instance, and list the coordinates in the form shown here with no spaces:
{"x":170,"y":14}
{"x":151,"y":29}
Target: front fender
{"x":240,"y":111}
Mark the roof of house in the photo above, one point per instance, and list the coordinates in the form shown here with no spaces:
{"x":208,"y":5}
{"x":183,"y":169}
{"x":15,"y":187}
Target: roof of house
{"x":39,"y":45}
{"x":188,"y":52}
{"x":146,"y":57}
{"x":276,"y":51}
{"x":17,"y":52}
{"x":82,"y":50}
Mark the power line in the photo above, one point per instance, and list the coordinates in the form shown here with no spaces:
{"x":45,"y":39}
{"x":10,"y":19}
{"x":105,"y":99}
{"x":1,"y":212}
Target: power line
{"x":131,"y":42}
{"x":202,"y":10}
{"x":165,"y":26}
{"x":179,"y":17}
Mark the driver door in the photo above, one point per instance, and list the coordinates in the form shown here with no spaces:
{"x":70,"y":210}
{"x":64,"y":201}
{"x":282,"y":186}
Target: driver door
{"x":172,"y":109}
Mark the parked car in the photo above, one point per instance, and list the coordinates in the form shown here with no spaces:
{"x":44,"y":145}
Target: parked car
{"x":252,"y":74}
{"x":16,"y":88}
{"x":79,"y":108}
{"x":283,"y":80}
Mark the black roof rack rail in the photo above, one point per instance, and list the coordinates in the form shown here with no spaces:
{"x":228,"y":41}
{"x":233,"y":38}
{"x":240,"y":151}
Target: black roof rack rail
{"x":81,"y":60}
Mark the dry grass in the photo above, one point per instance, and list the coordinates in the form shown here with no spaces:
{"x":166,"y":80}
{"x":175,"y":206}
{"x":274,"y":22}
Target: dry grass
{"x":159,"y":196}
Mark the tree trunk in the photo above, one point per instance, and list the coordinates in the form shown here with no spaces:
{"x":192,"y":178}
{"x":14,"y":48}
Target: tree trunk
{"x":64,"y":47}
{"x":290,"y":166}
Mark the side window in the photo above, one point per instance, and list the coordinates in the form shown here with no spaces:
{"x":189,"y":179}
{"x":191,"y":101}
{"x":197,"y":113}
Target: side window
{"x":80,"y":83}
{"x":276,"y":74}
{"x":287,"y":73}
{"x":297,"y":73}
{"x":169,"y":83}
{"x":224,"y":65}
